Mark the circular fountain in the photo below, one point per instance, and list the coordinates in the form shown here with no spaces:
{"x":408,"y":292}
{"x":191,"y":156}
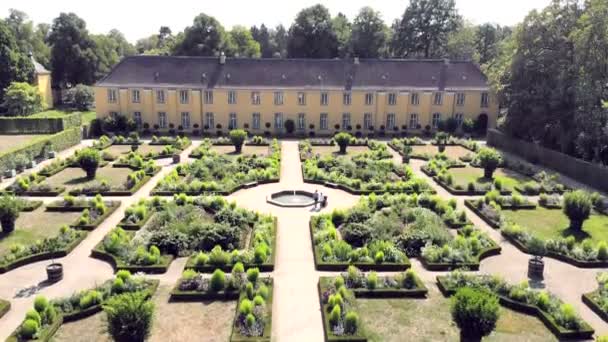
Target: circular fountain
{"x":291,"y":199}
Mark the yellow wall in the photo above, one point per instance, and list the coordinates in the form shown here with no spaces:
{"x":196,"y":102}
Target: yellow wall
{"x":44,"y":86}
{"x":244,"y":108}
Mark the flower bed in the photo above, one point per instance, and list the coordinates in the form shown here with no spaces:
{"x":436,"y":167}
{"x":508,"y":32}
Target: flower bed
{"x":402,"y":226}
{"x":598,"y":299}
{"x":215,"y":173}
{"x":560,"y":318}
{"x":338,"y":295}
{"x":34,"y":185}
{"x":489,"y":207}
{"x":141,"y":174}
{"x":139,"y":213}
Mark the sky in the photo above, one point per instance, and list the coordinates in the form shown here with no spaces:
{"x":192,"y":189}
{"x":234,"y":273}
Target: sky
{"x":139,"y":19}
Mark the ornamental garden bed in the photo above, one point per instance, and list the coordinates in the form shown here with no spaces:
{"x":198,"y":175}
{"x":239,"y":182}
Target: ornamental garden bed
{"x":471,"y":180}
{"x":214,"y":173}
{"x":559,"y":318}
{"x":489,"y":208}
{"x":370,"y":172}
{"x":53,"y":314}
{"x":45,"y":234}
{"x":338,"y":298}
{"x":381,"y":232}
{"x":257,"y":146}
{"x":597,"y":300}
{"x":327,"y":147}
{"x":213,"y":232}
{"x":254,"y":295}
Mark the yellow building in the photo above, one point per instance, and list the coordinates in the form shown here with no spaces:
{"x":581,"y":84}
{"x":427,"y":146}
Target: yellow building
{"x":43,"y":81}
{"x":261,"y":95}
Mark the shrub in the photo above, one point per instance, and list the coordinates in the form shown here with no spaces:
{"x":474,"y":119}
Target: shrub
{"x":123,"y":274}
{"x":34,"y":315}
{"x":237,"y":137}
{"x":28,"y":329}
{"x":246,"y":307}
{"x":250,"y":320}
{"x":129,"y":317}
{"x":238,"y":268}
{"x":218,"y":280}
{"x":249,"y":290}
{"x":258,"y":300}
{"x":339,"y":282}
{"x":335,"y":314}
{"x":351,"y":322}
{"x":40,"y":304}
{"x":356,"y":234}
{"x":253,"y":274}
{"x":372,"y":280}
{"x":91,"y":298}
{"x":602,"y":250}
{"x":489,"y":159}
{"x":80,"y":97}
{"x":264,"y":291}
{"x":475,"y":312}
{"x":409,"y":279}
{"x":343,"y":139}
{"x":22,"y":99}
{"x":89,"y":159}
{"x":577,"y":206}
{"x":379,"y":257}
{"x":10,"y":207}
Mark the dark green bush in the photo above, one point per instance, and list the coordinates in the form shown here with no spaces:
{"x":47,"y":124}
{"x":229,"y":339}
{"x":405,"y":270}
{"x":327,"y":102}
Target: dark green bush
{"x":351,"y":323}
{"x":475,"y":312}
{"x":577,"y":206}
{"x":343,"y":140}
{"x":218,"y":281}
{"x":10,"y":207}
{"x":89,"y":159}
{"x":129,"y":317}
{"x":237,"y":137}
{"x":489,"y":159}
{"x":357,"y":234}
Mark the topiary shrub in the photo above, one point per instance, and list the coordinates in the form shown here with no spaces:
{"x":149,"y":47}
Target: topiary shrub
{"x":253,"y":274}
{"x":489,"y":159}
{"x":343,"y":139}
{"x":577,"y":206}
{"x":237,"y":137}
{"x":351,"y":323}
{"x":10,"y":207}
{"x":89,"y":159}
{"x":475,"y":312}
{"x":335,"y":314}
{"x":41,"y":303}
{"x":28,"y":329}
{"x":129,"y":317}
{"x":218,"y":281}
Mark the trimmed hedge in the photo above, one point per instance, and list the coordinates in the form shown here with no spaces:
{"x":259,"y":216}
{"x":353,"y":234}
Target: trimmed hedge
{"x":586,"y":332}
{"x":39,"y":125}
{"x":118,"y":265}
{"x":471,"y":205}
{"x":60,"y":141}
{"x":5,"y":306}
{"x":473,"y":266}
{"x":45,"y":335}
{"x":588,"y":300}
{"x":111,"y":208}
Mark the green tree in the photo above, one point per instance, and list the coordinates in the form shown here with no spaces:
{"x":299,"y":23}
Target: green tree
{"x":80,"y":97}
{"x":130,"y":317}
{"x":488,"y":38}
{"x":107,"y":56}
{"x":577,"y":206}
{"x":237,"y":137}
{"x":343,"y":140}
{"x":10,"y":207}
{"x":461,"y":43}
{"x":241,"y":43}
{"x":312,"y":34}
{"x":343,"y":29}
{"x":29,"y":38}
{"x":475,"y":312}
{"x":206,"y":37}
{"x":22,"y":99}
{"x":262,"y":36}
{"x":424,"y":28}
{"x":489,"y":159}
{"x":15,"y":65}
{"x":157,"y":44}
{"x":369,"y":34}
{"x":73,"y":57}
{"x":279,"y":38}
{"x":89,"y":159}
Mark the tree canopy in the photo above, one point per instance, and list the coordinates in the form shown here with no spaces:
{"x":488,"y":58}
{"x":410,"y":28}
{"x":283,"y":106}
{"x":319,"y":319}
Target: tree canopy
{"x":312,"y":34}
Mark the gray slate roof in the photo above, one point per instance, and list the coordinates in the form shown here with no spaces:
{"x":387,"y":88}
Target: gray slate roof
{"x":207,"y":72}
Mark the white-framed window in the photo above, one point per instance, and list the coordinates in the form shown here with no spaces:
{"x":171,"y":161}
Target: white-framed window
{"x":460,"y":97}
{"x":323,"y":121}
{"x":301,"y":98}
{"x":390,"y":121}
{"x":346,"y":98}
{"x":438,"y":99}
{"x":137,"y":118}
{"x":345,"y":120}
{"x":112,"y":97}
{"x":231,"y":97}
{"x":278,"y":121}
{"x":255,"y":120}
{"x":413,"y":121}
{"x":459,"y":117}
{"x":160,"y":96}
{"x":208,"y":96}
{"x":232,"y":121}
{"x":484,"y":100}
{"x":186,"y":120}
{"x":324,"y":99}
{"x":135,"y":96}
{"x":278,"y":98}
{"x":162,"y":119}
{"x":392,"y":99}
{"x":435,"y":120}
{"x":301,"y":121}
{"x":367,"y":120}
{"x":415,"y":100}
{"x":184,"y":97}
{"x":255,"y":98}
{"x":209,"y":120}
{"x":369,"y":99}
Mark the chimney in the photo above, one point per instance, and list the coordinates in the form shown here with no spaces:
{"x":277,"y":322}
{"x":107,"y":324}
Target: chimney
{"x":222,"y":58}
{"x":356,"y":61}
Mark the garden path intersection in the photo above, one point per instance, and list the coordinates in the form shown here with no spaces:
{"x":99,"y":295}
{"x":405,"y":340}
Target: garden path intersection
{"x":296,"y":308}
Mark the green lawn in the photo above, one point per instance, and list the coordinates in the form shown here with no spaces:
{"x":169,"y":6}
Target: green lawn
{"x":75,"y":177}
{"x":430,"y":320}
{"x":553,"y":223}
{"x":462,"y":176}
{"x":334,"y":150}
{"x":453,"y":152}
{"x":36,"y":225}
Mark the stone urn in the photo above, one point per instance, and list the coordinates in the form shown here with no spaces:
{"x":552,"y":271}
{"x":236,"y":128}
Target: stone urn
{"x":536,"y":268}
{"x":176,"y":158}
{"x":405,"y":159}
{"x":54,"y":272}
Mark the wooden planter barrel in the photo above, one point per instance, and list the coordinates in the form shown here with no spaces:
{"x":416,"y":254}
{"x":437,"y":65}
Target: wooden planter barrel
{"x":176,"y":159}
{"x":54,"y":272}
{"x":536,"y":268}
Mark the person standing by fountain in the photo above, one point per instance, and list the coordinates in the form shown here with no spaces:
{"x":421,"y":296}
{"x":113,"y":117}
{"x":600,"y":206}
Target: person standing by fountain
{"x":315,"y":197}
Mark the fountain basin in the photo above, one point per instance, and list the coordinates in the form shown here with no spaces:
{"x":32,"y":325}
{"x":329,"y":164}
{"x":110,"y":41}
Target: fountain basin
{"x":291,"y":199}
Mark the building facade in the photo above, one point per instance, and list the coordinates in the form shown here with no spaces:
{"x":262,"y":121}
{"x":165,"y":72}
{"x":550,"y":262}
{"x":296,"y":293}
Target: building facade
{"x":260,"y":95}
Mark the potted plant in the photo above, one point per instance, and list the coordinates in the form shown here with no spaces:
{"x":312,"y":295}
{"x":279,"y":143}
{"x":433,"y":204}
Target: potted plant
{"x":54,"y":272}
{"x":195,"y":131}
{"x":171,"y":129}
{"x":290,"y":126}
{"x":134,"y":147}
{"x":536,"y":265}
{"x":176,"y":158}
{"x":441,"y":138}
{"x":89,"y":159}
{"x":146,"y":128}
{"x":237,"y":137}
{"x":156,"y":128}
{"x":10,"y":207}
{"x":406,"y":152}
